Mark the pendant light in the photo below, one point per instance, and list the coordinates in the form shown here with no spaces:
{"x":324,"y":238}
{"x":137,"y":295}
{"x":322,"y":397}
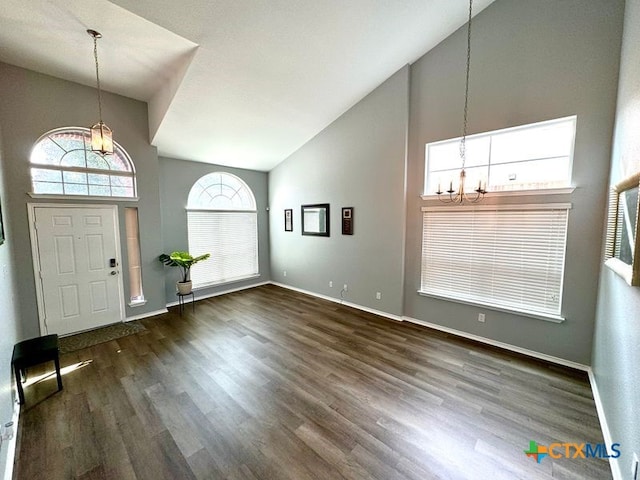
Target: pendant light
{"x":460,"y":195}
{"x":101,"y":135}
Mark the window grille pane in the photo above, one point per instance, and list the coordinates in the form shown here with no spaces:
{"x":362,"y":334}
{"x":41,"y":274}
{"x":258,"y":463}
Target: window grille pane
{"x":446,"y":155}
{"x":74,"y":158}
{"x":505,"y":258}
{"x":48,"y":188}
{"x":99,"y":190}
{"x":69,"y":141}
{"x":75,"y":189}
{"x":531,"y":175}
{"x":118,"y":181}
{"x":46,"y":175}
{"x":96,"y":179}
{"x":74,"y":177}
{"x":533,"y":142}
{"x":122,"y":192}
{"x":47,"y":152}
{"x":96,"y":161}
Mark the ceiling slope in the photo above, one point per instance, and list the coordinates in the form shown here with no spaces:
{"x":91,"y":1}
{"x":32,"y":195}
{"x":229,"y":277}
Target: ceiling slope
{"x":242,"y":83}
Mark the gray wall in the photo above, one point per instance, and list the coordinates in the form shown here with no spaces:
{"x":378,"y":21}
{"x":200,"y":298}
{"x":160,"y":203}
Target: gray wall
{"x":10,"y":328}
{"x":531,"y":61}
{"x":616,"y":355}
{"x":176,"y":179}
{"x":32,"y":104}
{"x":357,"y":161}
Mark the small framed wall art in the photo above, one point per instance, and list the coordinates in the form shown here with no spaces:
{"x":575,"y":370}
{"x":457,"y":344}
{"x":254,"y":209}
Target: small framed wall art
{"x":347,"y":220}
{"x":288,"y":220}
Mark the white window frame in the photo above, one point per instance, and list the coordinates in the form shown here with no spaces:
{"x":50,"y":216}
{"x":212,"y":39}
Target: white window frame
{"x":568,"y":188}
{"x":198,"y":205}
{"x":120,"y":152}
{"x":132,"y":232}
{"x":491,"y":303}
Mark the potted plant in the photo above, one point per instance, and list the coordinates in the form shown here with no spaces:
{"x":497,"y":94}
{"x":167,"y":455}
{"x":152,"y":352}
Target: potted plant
{"x":185,"y":261}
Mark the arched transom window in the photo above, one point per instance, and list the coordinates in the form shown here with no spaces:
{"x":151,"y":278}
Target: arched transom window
{"x":222,"y":220}
{"x":221,"y":191}
{"x":62,"y":163}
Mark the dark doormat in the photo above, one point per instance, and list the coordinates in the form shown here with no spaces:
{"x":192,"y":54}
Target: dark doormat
{"x":99,"y":335}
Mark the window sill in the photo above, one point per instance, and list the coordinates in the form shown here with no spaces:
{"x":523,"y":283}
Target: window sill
{"x":81,"y":197}
{"x":524,"y":313}
{"x":517,"y":193}
{"x":622,"y":269}
{"x":137,"y":303}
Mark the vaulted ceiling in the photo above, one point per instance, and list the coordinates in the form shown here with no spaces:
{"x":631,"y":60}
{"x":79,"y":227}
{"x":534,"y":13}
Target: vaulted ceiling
{"x":243,"y":83}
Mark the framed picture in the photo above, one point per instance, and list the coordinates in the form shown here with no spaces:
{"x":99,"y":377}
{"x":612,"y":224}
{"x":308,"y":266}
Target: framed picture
{"x":347,"y":220}
{"x":315,"y":219}
{"x":288,"y":220}
{"x":1,"y":227}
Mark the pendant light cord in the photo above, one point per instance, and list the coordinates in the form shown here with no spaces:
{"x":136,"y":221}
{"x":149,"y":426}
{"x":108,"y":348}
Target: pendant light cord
{"x":95,"y":56}
{"x":463,"y":141}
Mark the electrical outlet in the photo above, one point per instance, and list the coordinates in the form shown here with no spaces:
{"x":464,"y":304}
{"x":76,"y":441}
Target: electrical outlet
{"x":634,"y":467}
{"x":345,"y":288}
{"x":331,"y":283}
{"x":378,"y":296}
{"x":481,"y":317}
{"x":284,"y":273}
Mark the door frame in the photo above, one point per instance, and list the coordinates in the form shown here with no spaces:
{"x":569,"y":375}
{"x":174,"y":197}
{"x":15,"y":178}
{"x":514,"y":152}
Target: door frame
{"x":35,"y":254}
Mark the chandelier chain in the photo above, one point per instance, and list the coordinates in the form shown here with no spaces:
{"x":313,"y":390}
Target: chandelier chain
{"x":95,"y":56}
{"x":463,"y":141}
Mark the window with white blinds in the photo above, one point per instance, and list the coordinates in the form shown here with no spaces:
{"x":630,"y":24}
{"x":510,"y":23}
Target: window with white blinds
{"x":502,"y":257}
{"x":231,"y":238}
{"x":222,"y":220}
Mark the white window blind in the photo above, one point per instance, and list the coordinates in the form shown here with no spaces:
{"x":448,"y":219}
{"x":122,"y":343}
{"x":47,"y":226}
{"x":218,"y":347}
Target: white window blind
{"x":231,"y":237}
{"x":133,"y":255}
{"x":509,"y":258}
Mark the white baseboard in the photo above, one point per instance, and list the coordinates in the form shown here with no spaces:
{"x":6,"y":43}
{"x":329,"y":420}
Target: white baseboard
{"x":145,"y":315}
{"x":606,"y":433}
{"x":459,"y":333}
{"x":380,"y":313}
{"x":506,"y":346}
{"x":223,"y":292}
{"x":11,"y":444}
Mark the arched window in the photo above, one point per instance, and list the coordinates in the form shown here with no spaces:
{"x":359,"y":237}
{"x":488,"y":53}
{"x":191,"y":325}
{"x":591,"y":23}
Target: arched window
{"x":222,"y":220}
{"x":62,"y":163}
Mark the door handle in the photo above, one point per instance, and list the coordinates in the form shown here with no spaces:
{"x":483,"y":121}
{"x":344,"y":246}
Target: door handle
{"x":114,"y":272}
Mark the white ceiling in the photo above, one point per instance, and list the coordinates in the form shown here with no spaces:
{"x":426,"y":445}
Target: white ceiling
{"x":243,"y":83}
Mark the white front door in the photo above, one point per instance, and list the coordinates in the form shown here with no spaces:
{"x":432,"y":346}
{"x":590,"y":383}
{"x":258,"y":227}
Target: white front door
{"x":77,"y":267}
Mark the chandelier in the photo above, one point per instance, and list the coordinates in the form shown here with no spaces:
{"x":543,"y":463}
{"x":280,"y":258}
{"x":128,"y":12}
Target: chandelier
{"x":461,"y":195}
{"x":101,"y":135}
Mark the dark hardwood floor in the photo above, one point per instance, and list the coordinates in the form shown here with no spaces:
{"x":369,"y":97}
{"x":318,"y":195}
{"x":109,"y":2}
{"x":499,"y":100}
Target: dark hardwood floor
{"x":272,"y":384}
